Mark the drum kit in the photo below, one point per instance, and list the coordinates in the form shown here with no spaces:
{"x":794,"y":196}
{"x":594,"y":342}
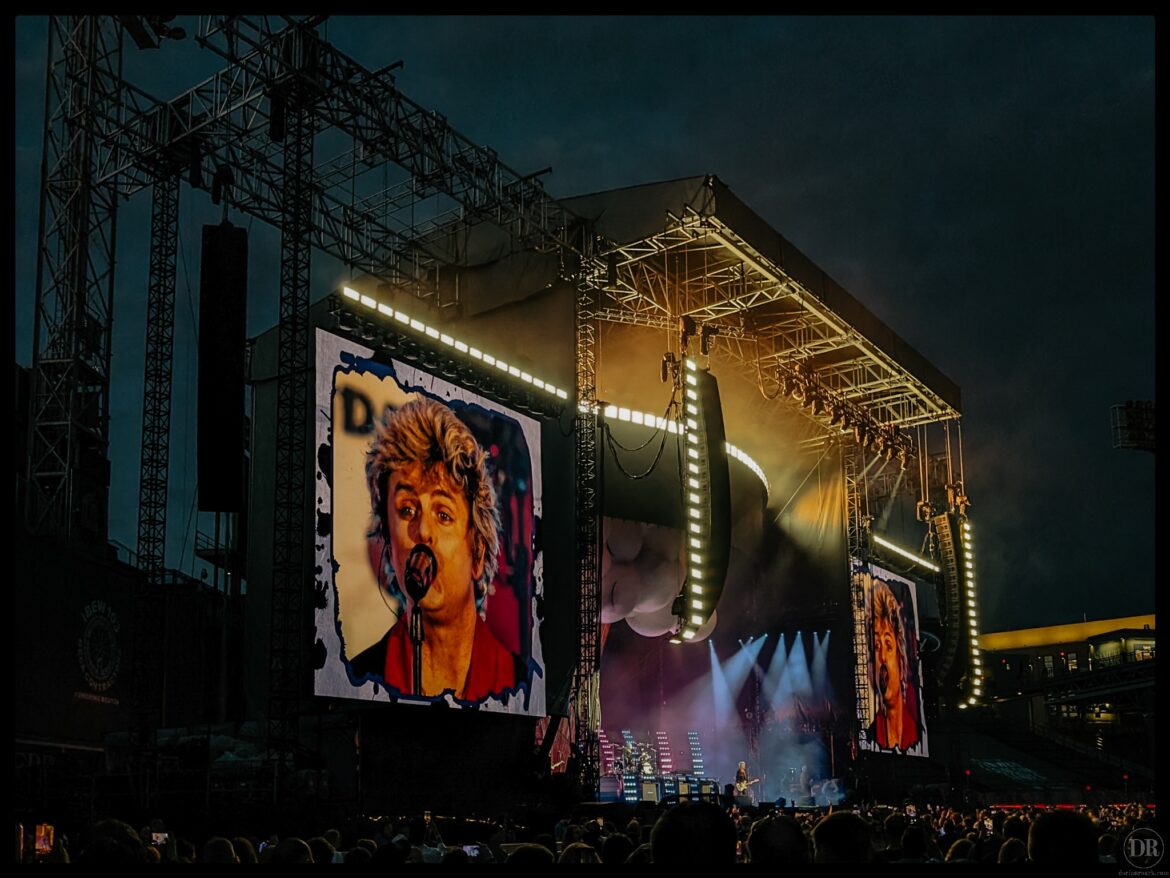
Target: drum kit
{"x":635,"y":759}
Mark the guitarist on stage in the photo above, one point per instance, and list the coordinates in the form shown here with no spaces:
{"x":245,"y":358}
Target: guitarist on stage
{"x":742,"y":784}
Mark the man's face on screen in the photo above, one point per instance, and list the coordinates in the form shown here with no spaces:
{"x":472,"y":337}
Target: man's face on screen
{"x":424,"y":506}
{"x":889,"y":674}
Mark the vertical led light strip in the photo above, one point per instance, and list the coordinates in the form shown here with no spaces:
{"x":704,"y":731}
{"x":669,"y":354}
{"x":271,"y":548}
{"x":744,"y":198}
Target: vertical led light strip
{"x":697,"y":506}
{"x":966,"y":540}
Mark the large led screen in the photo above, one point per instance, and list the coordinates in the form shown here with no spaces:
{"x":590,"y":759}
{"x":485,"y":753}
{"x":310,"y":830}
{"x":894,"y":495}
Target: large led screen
{"x":428,"y":566}
{"x":892,"y":716}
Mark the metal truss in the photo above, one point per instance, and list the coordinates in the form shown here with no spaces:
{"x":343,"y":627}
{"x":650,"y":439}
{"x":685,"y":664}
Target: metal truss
{"x":156,"y":394}
{"x":587,"y":679}
{"x":701,"y":268}
{"x":149,"y":602}
{"x":857,"y":545}
{"x":290,"y":558}
{"x":388,"y":126}
{"x":69,"y":422}
{"x":230,"y":130}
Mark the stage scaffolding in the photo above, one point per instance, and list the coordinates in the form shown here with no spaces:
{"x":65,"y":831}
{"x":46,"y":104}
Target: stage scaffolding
{"x":395,"y":195}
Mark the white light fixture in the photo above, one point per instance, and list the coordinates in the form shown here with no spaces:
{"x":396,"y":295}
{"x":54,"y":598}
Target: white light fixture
{"x":905,"y":554}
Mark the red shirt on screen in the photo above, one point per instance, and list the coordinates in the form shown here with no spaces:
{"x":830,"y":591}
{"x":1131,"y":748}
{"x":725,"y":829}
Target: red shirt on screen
{"x":492,"y":670}
{"x":909,"y":725}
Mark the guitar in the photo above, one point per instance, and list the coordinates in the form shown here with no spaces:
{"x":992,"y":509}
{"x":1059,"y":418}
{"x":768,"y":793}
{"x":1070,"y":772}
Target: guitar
{"x":741,"y":786}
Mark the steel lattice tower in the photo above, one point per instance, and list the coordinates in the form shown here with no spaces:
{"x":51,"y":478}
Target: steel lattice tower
{"x":69,"y":422}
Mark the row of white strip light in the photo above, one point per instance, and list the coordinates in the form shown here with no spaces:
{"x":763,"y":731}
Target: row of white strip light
{"x":442,"y":337}
{"x":905,"y":554}
{"x":622,"y":414}
{"x":657,"y":422}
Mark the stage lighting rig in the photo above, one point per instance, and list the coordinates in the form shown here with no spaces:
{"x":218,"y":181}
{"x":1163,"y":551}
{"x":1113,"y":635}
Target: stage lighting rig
{"x":686,"y":329}
{"x":837,"y":414}
{"x":668,"y":370}
{"x":706,"y":332}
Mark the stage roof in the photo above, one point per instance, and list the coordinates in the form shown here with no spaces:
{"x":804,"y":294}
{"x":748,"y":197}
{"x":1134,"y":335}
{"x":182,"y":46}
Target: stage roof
{"x":691,"y":247}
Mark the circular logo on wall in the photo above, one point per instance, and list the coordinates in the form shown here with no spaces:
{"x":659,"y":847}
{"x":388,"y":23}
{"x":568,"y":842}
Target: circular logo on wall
{"x":98,"y":651}
{"x":1142,"y":848}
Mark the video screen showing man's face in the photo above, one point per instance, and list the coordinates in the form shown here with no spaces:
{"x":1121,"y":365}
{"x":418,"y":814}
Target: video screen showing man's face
{"x":432,"y":496}
{"x":893,"y":721}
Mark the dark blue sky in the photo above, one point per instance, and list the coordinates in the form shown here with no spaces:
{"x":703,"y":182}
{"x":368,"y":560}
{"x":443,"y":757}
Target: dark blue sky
{"x":985,"y":186}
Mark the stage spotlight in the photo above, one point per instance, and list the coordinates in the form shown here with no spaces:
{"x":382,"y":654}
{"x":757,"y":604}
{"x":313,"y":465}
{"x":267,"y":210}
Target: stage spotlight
{"x":837,"y":415}
{"x":818,"y":405}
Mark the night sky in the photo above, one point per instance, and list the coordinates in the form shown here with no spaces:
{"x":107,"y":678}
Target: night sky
{"x":985,"y":186}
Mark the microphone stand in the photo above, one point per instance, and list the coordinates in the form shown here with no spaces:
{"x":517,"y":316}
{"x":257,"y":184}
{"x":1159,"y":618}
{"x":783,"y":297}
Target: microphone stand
{"x":416,"y":639}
